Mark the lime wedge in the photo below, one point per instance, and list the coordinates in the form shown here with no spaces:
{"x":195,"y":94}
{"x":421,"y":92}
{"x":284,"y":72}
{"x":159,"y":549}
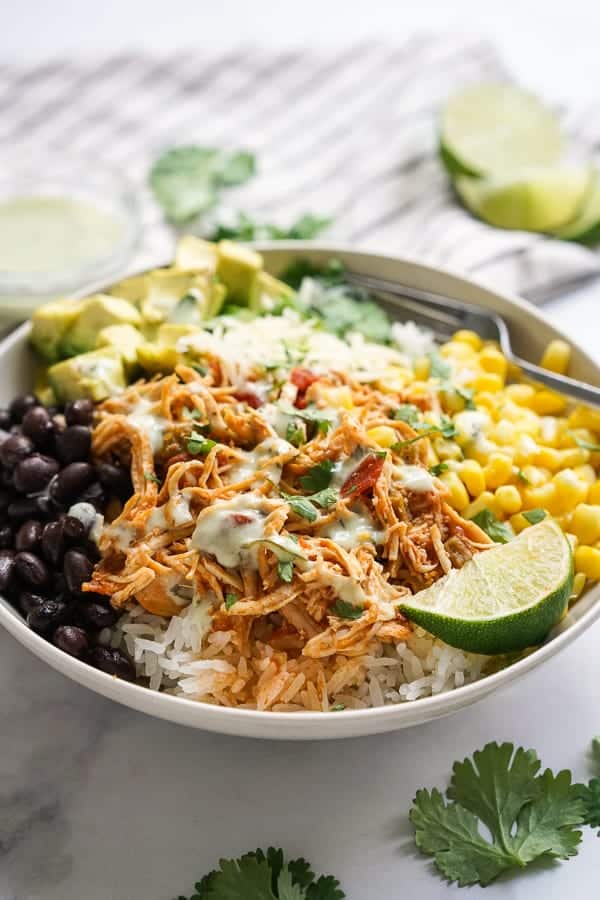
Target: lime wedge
{"x":490,"y":128}
{"x":533,"y":200}
{"x":506,"y":598}
{"x":585,"y":227}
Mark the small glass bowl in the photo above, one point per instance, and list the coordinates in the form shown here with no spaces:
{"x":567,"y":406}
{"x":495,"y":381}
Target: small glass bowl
{"x":100,"y":187}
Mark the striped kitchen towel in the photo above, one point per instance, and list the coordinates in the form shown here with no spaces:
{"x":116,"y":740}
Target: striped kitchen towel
{"x":348,"y":133}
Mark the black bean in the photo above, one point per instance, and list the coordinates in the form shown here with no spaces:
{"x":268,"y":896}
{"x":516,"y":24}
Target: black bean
{"x":32,"y":570}
{"x":23,"y":508}
{"x":73,"y":529}
{"x":14,"y":449}
{"x":29,"y":535}
{"x":94,"y":494}
{"x":34,"y":473}
{"x":53,"y":542}
{"x":6,"y":537}
{"x":28,"y":602}
{"x":77,"y":568}
{"x":97,"y":615}
{"x":71,"y":482}
{"x":79,"y":412}
{"x":19,"y":406}
{"x":71,"y":639}
{"x":59,"y":584}
{"x":5,"y":420}
{"x":38,"y":426}
{"x":6,"y":497}
{"x":6,"y":479}
{"x":7,"y":568}
{"x":73,"y":444}
{"x":115,"y":479}
{"x":112,"y":661}
{"x":47,"y":615}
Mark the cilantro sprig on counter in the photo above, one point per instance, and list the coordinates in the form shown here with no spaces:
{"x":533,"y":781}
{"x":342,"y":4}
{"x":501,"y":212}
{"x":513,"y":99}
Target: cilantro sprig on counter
{"x":304,"y":228}
{"x":266,"y":876}
{"x":528,"y":815}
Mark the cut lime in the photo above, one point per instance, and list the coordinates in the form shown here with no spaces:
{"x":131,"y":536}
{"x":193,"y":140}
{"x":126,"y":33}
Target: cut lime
{"x":490,"y":128}
{"x":506,"y":598}
{"x":585,"y":227}
{"x":533,"y":200}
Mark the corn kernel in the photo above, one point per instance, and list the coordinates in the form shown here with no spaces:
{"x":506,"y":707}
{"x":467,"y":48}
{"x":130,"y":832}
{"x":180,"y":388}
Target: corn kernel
{"x":504,"y":432}
{"x":457,"y":350}
{"x":471,"y":474}
{"x":547,"y":403}
{"x":338,"y":397}
{"x":556,"y":357}
{"x":585,"y":523}
{"x":586,"y":473}
{"x":481,"y":450}
{"x":585,"y":417}
{"x":578,"y":585}
{"x":422,"y":367}
{"x":458,"y":498}
{"x":594,"y":493}
{"x":548,"y":457}
{"x":383,"y":435}
{"x":488,"y":381}
{"x":484,"y":501}
{"x":447,"y":449}
{"x":395,"y":380}
{"x":574,"y":456}
{"x":525,"y":450}
{"x":491,"y":360}
{"x":509,"y":499}
{"x":519,"y":523}
{"x":520,"y":393}
{"x":498,"y":470}
{"x":550,"y":431}
{"x":570,"y":490}
{"x":534,"y":475}
{"x":485,"y":401}
{"x":587,"y":560}
{"x":468,"y":337}
{"x":542,"y":497}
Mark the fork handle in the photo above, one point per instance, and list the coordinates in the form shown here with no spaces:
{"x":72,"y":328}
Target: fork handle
{"x":570,"y":386}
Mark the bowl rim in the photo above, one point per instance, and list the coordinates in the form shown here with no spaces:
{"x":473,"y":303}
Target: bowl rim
{"x":282,"y":725}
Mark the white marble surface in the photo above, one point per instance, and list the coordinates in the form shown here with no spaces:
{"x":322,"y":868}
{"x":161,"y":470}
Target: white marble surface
{"x":101,"y":803}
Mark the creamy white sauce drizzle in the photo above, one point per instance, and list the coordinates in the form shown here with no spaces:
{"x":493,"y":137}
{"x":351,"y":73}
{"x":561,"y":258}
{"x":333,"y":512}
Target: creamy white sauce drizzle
{"x":353,"y":530}
{"x":414,"y":478}
{"x":152,"y":425}
{"x":229,"y":540}
{"x":258,"y":459}
{"x":471,"y":423}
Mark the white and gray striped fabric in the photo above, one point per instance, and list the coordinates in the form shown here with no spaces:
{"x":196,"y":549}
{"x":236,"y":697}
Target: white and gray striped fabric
{"x":348,"y":133}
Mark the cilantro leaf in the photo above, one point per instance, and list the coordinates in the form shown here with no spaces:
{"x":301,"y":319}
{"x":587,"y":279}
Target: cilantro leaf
{"x":285,"y":569}
{"x":466,"y":395}
{"x":186,"y":180}
{"x":446,"y":428}
{"x":326,"y":497}
{"x":200,"y":445}
{"x":438,"y":367}
{"x":230,"y":600}
{"x":591,"y":800}
{"x":522,"y":476}
{"x":150,"y":476}
{"x":295,"y":433}
{"x":586,"y":445}
{"x":266,"y":876}
{"x":528,"y":815}
{"x":534,"y":516}
{"x":408,"y":413}
{"x":302,"y":506}
{"x":318,"y":477}
{"x":500,"y":532}
{"x":344,"y":610}
{"x":439,"y":468}
{"x":596,"y":749}
{"x":304,"y":228}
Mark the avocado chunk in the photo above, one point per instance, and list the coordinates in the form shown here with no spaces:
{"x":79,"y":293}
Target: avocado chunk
{"x":238,"y":268}
{"x":133,"y":289}
{"x":49,"y":324}
{"x":166,"y":287}
{"x":155,"y":359}
{"x":271,"y":294}
{"x":195,"y":255}
{"x":96,"y":313}
{"x":168,"y":334}
{"x":98,"y":375}
{"x":124,"y":338}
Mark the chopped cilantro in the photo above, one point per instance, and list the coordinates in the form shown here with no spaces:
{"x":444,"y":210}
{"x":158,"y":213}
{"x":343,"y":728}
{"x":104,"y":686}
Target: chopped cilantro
{"x":302,"y":506}
{"x":500,"y":532}
{"x":245,"y":229}
{"x":230,"y":600}
{"x":527,"y":815}
{"x":338,"y":707}
{"x":439,"y":468}
{"x":438,"y":367}
{"x":192,"y":414}
{"x":150,"y":476}
{"x":295,"y":433}
{"x":319,"y":477}
{"x":326,"y":497}
{"x":522,"y":476}
{"x":285,"y":568}
{"x":346,"y":610}
{"x":586,"y":445}
{"x":266,"y":876}
{"x":408,"y":413}
{"x":534,"y":516}
{"x":200,"y":445}
{"x":466,"y":395}
{"x":201,"y":370}
{"x":446,"y":428}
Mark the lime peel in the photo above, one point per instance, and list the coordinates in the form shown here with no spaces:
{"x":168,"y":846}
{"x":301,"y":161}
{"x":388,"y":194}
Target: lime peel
{"x":504,"y":599}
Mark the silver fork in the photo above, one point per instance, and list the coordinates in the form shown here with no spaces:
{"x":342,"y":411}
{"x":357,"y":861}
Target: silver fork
{"x":443,"y":316}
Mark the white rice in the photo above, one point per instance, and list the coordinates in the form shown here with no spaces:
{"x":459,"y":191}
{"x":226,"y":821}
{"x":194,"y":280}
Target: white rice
{"x":168,"y":656}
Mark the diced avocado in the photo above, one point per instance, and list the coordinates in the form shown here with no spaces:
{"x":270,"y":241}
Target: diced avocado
{"x":216,"y":299}
{"x":190,"y":310}
{"x":271,"y":294}
{"x":41,"y":388}
{"x":195,"y":255}
{"x":166,"y":287}
{"x":133,"y":289}
{"x":49,"y":324}
{"x":168,"y":334}
{"x":98,"y":375}
{"x":124,"y":338}
{"x":238,"y":268}
{"x":154,"y":358}
{"x":96,"y":313}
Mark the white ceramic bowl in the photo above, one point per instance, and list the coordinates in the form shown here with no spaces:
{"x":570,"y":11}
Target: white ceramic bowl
{"x":530,"y":331}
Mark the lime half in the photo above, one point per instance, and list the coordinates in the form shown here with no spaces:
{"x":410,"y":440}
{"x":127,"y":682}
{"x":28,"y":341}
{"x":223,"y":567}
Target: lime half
{"x":490,"y":128}
{"x":506,"y":598}
{"x":585,"y":227}
{"x":532,"y":200}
